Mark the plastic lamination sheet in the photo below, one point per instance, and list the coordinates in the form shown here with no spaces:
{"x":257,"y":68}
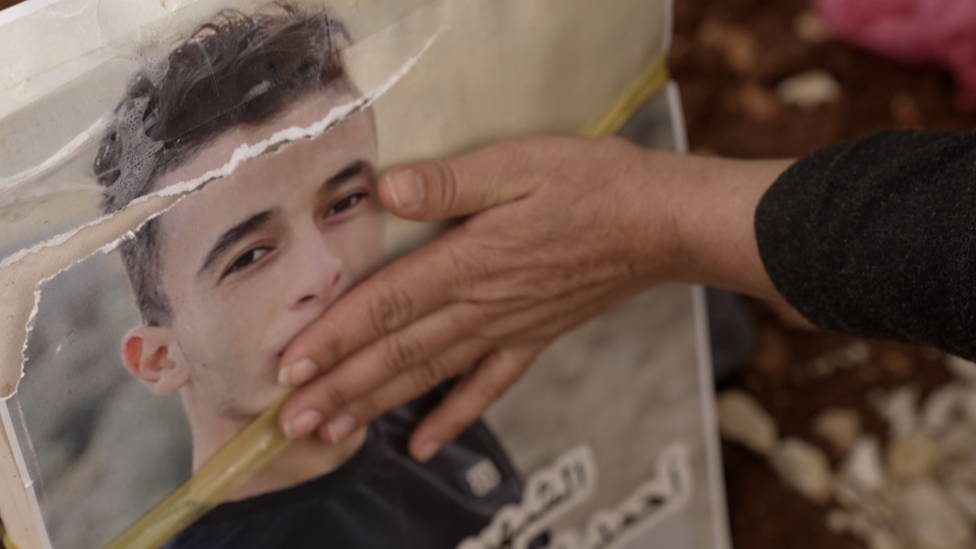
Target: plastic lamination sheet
{"x":185,"y":185}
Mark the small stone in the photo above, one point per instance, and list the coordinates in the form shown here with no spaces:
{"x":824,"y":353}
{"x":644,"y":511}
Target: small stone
{"x":898,"y":408}
{"x":809,"y":90}
{"x":822,"y":366}
{"x":739,"y":47}
{"x":963,"y":369}
{"x":809,"y":27}
{"x":804,"y":468}
{"x":854,"y":354}
{"x":863,"y":464}
{"x":742,"y":419}
{"x":940,"y":407}
{"x":930,"y":518}
{"x":913,"y":457}
{"x":838,"y":426}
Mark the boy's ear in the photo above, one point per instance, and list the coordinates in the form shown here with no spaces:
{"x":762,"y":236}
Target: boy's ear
{"x":153,"y":357}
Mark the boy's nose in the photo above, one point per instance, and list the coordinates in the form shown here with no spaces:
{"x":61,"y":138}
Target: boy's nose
{"x":317,"y":272}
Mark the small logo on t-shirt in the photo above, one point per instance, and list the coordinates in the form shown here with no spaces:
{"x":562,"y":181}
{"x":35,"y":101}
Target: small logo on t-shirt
{"x":483,"y":477}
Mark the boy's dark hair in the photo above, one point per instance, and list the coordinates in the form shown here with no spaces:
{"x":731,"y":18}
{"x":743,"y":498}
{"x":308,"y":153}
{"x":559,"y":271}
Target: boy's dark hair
{"x":236,"y":69}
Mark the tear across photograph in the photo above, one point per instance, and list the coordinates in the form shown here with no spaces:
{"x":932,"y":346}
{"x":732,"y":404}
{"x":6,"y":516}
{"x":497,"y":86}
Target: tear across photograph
{"x":193,"y":183}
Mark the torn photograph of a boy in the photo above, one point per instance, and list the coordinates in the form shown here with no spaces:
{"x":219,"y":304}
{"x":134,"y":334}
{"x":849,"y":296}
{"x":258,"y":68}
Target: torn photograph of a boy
{"x":231,"y":274}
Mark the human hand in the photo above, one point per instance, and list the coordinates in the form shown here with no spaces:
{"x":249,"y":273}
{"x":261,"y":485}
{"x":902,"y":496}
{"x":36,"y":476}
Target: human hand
{"x":560,"y":230}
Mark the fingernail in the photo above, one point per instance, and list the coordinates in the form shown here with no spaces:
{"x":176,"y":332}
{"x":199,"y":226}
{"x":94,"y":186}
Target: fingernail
{"x":426,"y":450}
{"x":303,"y":424}
{"x":298,"y":373}
{"x":406,"y":187}
{"x":341,"y":426}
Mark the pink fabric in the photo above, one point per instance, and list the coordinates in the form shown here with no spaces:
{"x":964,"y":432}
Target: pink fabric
{"x":912,"y":32}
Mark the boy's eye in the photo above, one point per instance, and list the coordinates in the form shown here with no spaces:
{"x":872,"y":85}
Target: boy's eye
{"x":246,"y":259}
{"x":346,"y":203}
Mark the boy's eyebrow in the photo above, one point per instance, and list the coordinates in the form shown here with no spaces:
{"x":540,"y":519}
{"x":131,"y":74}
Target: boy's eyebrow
{"x":234,"y":234}
{"x":347,"y":173}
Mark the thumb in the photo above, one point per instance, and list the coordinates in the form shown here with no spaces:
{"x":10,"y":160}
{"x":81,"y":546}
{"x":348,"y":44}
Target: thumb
{"x":441,"y":189}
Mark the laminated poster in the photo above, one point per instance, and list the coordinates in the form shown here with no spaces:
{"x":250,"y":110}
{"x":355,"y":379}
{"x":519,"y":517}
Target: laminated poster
{"x":186,"y":184}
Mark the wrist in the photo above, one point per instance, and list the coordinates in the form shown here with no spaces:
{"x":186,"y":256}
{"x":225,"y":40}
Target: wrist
{"x":713,"y":210}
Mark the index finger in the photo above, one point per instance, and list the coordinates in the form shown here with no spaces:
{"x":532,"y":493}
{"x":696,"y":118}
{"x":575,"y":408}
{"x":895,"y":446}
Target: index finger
{"x":398,"y":294}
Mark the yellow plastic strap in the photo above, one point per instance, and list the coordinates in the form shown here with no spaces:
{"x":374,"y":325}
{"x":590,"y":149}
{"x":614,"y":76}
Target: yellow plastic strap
{"x":234,"y":465}
{"x":261,"y":441}
{"x":9,"y":543}
{"x":654,"y":78}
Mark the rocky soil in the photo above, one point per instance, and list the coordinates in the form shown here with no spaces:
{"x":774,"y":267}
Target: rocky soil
{"x":880,"y":431}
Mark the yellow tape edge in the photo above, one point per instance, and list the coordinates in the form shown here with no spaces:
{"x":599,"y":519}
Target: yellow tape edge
{"x":231,"y":467}
{"x":261,"y":441}
{"x":652,"y":80}
{"x":9,"y":543}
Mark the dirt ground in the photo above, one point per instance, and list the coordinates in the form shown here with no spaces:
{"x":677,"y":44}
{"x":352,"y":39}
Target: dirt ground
{"x":731,"y":110}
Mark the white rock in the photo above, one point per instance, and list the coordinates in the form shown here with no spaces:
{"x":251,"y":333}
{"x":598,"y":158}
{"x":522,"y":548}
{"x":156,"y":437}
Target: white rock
{"x":809,"y":90}
{"x":873,"y":507}
{"x":803,"y":467}
{"x":838,"y":426}
{"x":738,"y":45}
{"x":863,"y":464}
{"x":963,"y":369}
{"x":857,"y":352}
{"x":913,"y":457}
{"x":742,"y":419}
{"x":898,"y":408}
{"x":930,"y":518}
{"x":940,"y":407}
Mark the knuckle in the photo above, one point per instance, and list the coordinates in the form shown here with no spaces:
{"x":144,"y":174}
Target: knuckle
{"x":329,"y":397}
{"x":468,"y":272}
{"x":365,"y":409}
{"x":489,"y":390}
{"x":400,"y":353}
{"x":391,"y":310}
{"x":446,"y":192}
{"x":328,"y":353}
{"x":430,"y":374}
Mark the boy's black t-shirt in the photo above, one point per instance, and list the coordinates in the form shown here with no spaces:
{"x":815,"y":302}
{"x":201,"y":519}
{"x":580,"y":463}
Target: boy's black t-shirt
{"x":380,"y":498}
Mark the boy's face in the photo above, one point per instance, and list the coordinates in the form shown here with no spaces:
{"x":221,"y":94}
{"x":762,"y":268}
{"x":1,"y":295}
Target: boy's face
{"x":252,"y":259}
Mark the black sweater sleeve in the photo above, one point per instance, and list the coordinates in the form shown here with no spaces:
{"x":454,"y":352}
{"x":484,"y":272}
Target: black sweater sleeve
{"x":876,"y":237}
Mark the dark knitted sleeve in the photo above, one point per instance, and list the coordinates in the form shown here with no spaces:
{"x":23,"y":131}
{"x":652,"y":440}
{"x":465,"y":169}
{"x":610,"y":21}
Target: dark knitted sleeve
{"x":876,"y":237}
